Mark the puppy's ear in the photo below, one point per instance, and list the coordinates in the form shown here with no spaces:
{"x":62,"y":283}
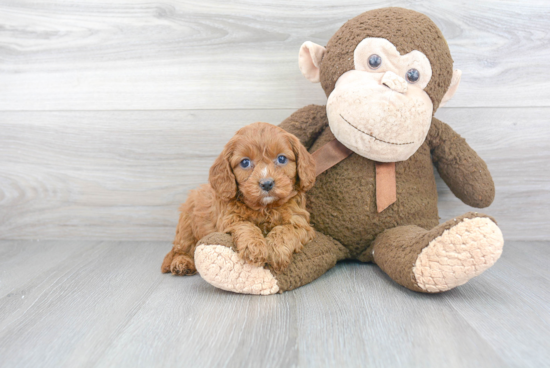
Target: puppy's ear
{"x":305,"y":164}
{"x":221,"y":176}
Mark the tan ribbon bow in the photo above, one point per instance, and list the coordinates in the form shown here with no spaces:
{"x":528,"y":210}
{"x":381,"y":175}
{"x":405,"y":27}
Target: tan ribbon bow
{"x":386,"y":189}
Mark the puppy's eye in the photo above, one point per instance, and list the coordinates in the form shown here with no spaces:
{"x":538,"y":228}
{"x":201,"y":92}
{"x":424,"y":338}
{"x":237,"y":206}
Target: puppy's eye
{"x":374,"y":61}
{"x":281,"y":159}
{"x":413,"y":75}
{"x":245,"y":163}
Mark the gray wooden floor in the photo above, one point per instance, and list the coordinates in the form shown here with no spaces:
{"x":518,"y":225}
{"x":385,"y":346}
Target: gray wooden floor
{"x":105,"y":304}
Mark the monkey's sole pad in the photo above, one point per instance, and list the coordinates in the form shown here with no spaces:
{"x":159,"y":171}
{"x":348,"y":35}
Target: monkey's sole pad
{"x":221,"y":267}
{"x":460,"y":253}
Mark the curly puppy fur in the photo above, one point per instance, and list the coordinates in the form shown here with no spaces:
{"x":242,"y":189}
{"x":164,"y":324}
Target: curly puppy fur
{"x":267,"y":226}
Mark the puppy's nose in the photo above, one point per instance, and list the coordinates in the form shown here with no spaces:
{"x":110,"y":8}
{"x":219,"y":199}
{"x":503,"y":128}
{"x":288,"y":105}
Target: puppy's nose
{"x":267,"y":184}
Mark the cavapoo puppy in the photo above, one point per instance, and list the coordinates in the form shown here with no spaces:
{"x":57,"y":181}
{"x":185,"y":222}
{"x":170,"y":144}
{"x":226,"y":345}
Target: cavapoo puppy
{"x":257,"y":194}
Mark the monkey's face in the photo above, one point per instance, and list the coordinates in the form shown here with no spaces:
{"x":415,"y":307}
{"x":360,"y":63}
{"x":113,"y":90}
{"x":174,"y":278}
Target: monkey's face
{"x":385,"y":72}
{"x":380,"y":109}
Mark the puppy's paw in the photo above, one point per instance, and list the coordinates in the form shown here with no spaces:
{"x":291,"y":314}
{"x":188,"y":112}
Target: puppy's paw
{"x":165,"y":267}
{"x":183,"y":265}
{"x":254,"y":252}
{"x":280,"y":253}
{"x":279,"y":263}
{"x":281,"y":248}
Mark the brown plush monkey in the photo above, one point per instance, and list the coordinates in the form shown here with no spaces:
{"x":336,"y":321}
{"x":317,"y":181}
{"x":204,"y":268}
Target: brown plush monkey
{"x":385,"y":73}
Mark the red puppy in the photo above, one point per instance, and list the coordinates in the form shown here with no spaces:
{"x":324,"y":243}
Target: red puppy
{"x":256,"y":193}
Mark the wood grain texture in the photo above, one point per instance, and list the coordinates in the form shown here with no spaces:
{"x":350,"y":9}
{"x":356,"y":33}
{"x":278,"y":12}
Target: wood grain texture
{"x":107,"y":175}
{"x":122,"y":175}
{"x":89,"y":298}
{"x":137,"y":54}
{"x":523,"y":270}
{"x":515,"y":143}
{"x":108,"y":305}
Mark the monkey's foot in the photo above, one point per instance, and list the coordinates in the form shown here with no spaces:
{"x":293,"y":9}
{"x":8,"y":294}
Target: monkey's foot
{"x":221,"y":267}
{"x":458,"y":254}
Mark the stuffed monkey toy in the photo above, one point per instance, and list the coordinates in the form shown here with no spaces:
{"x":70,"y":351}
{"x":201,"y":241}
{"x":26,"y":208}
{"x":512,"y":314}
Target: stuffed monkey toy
{"x":385,"y":73}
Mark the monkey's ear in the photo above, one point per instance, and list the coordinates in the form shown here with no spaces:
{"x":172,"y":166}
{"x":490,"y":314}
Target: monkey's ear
{"x":309,"y":60}
{"x":452,"y":88}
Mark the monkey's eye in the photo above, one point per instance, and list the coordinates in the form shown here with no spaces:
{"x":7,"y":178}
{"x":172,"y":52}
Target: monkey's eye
{"x":281,"y":159}
{"x":413,"y":75}
{"x":245,"y":163}
{"x":375,"y":61}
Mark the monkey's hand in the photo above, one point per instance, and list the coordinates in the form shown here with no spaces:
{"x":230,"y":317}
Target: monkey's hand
{"x":460,"y":167}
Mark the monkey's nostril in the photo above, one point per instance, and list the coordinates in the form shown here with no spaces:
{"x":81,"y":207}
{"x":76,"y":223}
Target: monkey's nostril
{"x":267,"y":184}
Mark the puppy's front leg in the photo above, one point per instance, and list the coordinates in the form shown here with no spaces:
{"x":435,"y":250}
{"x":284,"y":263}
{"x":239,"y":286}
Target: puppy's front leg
{"x":250,"y":243}
{"x":285,"y":240}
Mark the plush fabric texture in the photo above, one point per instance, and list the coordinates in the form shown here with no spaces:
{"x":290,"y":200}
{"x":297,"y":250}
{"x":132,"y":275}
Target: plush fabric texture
{"x":307,"y":124}
{"x":346,"y":193}
{"x":316,"y":258}
{"x":395,"y":82}
{"x":428,"y":261}
{"x":343,"y":210}
{"x":363,"y":120}
{"x":460,"y":167}
{"x":460,"y":253}
{"x":342,"y":204}
{"x":405,"y":239}
{"x":397,"y":250}
{"x":455,"y":82}
{"x":310,"y":57}
{"x":220,"y":265}
{"x":392,"y":60}
{"x":406,"y":29}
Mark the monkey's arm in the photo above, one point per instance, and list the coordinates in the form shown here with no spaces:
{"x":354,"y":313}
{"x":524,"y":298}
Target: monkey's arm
{"x":307,"y":123}
{"x":459,"y":166}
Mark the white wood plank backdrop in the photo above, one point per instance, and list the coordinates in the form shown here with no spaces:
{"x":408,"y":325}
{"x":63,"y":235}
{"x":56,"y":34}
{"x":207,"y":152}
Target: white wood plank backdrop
{"x":111,"y":111}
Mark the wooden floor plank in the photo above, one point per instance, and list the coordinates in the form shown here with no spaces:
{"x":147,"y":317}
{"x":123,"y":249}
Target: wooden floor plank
{"x":357,"y":311}
{"x":509,"y":305}
{"x":122,"y":175}
{"x":343,"y":318}
{"x":70,"y":314}
{"x":21,"y":261}
{"x":214,"y":54}
{"x":187,"y":322}
{"x":529,"y":258}
{"x":337,"y":320}
{"x":110,"y":306}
